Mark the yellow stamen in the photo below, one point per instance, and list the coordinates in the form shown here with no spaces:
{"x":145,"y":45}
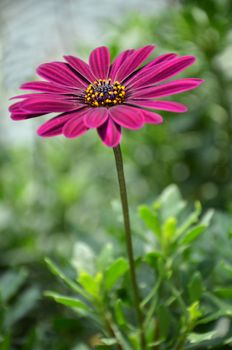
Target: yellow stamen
{"x":104,"y":93}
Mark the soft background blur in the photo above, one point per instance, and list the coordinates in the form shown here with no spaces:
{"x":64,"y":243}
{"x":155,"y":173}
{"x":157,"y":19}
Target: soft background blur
{"x":56,"y":192}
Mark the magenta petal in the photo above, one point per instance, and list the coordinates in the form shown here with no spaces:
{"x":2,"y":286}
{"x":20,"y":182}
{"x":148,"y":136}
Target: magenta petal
{"x":47,"y":105}
{"x":41,"y":95}
{"x":127,"y":117}
{"x":119,"y":60}
{"x":163,"y":71}
{"x":151,"y":117}
{"x":161,"y":59}
{"x":133,"y":62}
{"x":15,"y":107}
{"x":99,"y":61}
{"x":61,"y":73}
{"x":54,"y":126}
{"x":168,"y":89}
{"x":110,"y":133}
{"x":95,"y":117}
{"x":49,"y":87}
{"x":75,"y":127}
{"x":157,"y":62}
{"x":161,"y":105}
{"x":170,"y":106}
{"x":25,"y":115}
{"x":18,"y":114}
{"x":81,"y":67}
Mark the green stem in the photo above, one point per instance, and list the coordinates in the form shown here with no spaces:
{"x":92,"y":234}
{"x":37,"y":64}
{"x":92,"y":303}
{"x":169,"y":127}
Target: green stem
{"x":180,"y":344}
{"x":126,"y":217}
{"x":151,"y":310}
{"x":108,"y":323}
{"x":182,"y":340}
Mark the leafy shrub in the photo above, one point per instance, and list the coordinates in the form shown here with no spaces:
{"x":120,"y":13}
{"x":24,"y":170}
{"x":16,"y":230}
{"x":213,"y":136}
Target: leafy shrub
{"x":184,"y":300}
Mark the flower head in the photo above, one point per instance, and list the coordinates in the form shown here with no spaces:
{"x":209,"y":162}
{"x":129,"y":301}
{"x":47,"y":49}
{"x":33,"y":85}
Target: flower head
{"x":104,"y":96}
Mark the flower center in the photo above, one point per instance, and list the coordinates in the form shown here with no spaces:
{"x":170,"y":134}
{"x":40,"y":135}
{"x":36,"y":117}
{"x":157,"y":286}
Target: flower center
{"x":103,"y":93}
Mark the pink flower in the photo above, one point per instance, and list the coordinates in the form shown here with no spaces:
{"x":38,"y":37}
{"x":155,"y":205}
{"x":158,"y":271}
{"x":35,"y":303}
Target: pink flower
{"x":104,"y":96}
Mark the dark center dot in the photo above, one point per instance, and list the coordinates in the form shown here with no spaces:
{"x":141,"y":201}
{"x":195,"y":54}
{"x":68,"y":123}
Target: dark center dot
{"x":103,"y":93}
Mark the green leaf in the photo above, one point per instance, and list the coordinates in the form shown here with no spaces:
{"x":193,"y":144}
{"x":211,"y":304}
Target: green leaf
{"x":191,"y":219}
{"x":83,"y":258}
{"x":124,"y":344}
{"x":81,"y":346}
{"x":150,"y":219}
{"x":152,"y":258}
{"x":195,"y":338}
{"x":164,"y":321}
{"x":169,"y":230}
{"x":116,"y":270}
{"x":10,"y":283}
{"x":226,"y":267}
{"x":171,"y":202}
{"x":58,"y":273}
{"x":150,"y":332}
{"x":195,"y":287}
{"x":194,"y":312}
{"x":225,"y":309}
{"x":24,"y":303}
{"x":68,"y":301}
{"x":119,"y":315}
{"x":5,"y":342}
{"x":109,"y":341}
{"x":206,"y":220}
{"x":134,"y":340}
{"x":90,"y":283}
{"x":105,"y":257}
{"x":192,"y":234}
{"x":224,"y":292}
{"x":228,"y":341}
{"x":212,"y":317}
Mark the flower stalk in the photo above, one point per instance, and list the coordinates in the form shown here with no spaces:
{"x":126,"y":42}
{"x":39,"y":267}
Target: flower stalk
{"x":129,"y":244}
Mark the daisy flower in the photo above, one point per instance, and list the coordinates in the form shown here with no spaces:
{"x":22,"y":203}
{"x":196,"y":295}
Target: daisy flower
{"x":104,"y":96}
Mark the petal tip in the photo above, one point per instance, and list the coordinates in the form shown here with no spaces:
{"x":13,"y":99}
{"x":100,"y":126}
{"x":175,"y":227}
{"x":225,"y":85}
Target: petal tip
{"x":67,"y":57}
{"x":13,"y":117}
{"x":201,"y":81}
{"x":153,"y":46}
{"x":40,"y":132}
{"x":110,"y":133}
{"x":43,"y":133}
{"x":184,"y":110}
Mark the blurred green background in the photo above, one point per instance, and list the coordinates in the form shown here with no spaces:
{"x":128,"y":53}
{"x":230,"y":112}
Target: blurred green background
{"x":56,"y":192}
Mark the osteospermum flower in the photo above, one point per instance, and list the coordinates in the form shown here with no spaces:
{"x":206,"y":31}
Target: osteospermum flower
{"x":104,"y":96}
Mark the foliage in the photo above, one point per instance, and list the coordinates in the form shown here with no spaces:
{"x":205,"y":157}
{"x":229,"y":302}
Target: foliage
{"x":181,"y":308}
